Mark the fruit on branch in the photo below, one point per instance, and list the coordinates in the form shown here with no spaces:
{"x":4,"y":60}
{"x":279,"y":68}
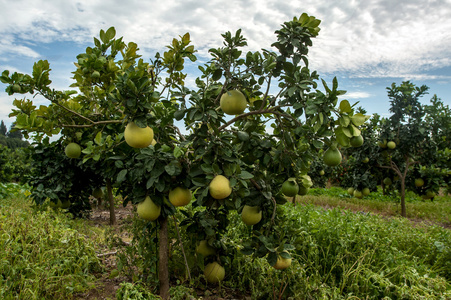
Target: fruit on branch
{"x":97,"y":193}
{"x":358,"y":194}
{"x":251,"y":215}
{"x":391,"y":145}
{"x":290,"y":187}
{"x":205,"y":249}
{"x":219,"y":187}
{"x":138,"y":137}
{"x":332,"y":157}
{"x":419,"y":182}
{"x":282,"y":263}
{"x":180,"y":196}
{"x":148,"y":210}
{"x":356,"y":141}
{"x":233,"y":102}
{"x":303,"y":190}
{"x":214,"y":272}
{"x":73,"y":150}
{"x":383,"y":144}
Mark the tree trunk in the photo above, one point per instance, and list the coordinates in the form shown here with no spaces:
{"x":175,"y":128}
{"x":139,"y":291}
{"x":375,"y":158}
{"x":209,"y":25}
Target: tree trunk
{"x":403,"y":196}
{"x":163,"y":269}
{"x":111,"y":201}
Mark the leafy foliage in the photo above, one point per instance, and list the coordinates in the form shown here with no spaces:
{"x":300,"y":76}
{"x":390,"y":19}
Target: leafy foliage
{"x":14,"y":164}
{"x":421,"y":146}
{"x":117,"y":87}
{"x":58,"y":178}
{"x":42,"y":256}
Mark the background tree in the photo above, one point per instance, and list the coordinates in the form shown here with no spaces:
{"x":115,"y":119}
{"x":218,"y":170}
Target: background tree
{"x":14,"y":133}
{"x":3,"y":128}
{"x":406,"y":151}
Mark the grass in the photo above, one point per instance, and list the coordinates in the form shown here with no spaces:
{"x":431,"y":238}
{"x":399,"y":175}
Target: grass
{"x":43,"y":254}
{"x":337,"y":253}
{"x":343,"y":255}
{"x":437,"y":211}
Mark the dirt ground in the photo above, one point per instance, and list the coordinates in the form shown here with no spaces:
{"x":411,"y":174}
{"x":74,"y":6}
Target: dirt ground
{"x":107,"y":285}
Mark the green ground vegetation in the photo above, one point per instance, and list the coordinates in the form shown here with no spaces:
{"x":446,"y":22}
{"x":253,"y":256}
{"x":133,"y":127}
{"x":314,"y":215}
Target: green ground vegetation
{"x":337,"y":254}
{"x":44,"y":254}
{"x":437,"y":211}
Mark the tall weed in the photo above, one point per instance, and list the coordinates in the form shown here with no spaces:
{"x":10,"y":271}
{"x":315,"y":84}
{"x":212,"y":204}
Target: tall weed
{"x":42,"y":257}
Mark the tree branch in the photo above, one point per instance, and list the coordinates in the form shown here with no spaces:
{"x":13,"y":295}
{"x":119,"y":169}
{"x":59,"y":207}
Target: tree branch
{"x":93,"y":124}
{"x":181,"y":247}
{"x":259,"y":112}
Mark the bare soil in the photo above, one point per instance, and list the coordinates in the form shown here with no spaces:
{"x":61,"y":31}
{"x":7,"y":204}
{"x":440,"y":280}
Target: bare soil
{"x":107,"y":284}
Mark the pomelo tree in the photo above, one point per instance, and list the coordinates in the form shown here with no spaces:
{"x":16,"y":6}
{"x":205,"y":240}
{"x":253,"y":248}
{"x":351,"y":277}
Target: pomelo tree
{"x":408,"y":150}
{"x":254,"y":147}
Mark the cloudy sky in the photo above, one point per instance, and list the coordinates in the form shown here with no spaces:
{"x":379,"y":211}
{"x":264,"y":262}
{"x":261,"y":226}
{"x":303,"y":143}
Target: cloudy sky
{"x":366,"y":44}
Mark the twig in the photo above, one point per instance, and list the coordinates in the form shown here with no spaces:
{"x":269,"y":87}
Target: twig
{"x":179,"y":133}
{"x":181,"y":246}
{"x":107,"y":254}
{"x":93,"y":124}
{"x":254,"y":112}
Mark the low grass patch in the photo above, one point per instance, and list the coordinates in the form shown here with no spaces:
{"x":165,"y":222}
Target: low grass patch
{"x":42,"y":256}
{"x":437,"y":211}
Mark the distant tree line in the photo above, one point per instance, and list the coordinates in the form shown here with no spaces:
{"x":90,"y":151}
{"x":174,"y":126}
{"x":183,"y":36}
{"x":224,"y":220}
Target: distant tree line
{"x":14,"y":155}
{"x":13,"y":138}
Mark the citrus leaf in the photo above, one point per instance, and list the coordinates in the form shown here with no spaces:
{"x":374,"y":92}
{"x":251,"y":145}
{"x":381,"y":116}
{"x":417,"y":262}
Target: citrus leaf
{"x":344,"y":121}
{"x":354,"y":130}
{"x":121,"y":175}
{"x":347,"y":131}
{"x":358,"y":119}
{"x":345,"y":107}
{"x":246,"y":175}
{"x":98,"y":138}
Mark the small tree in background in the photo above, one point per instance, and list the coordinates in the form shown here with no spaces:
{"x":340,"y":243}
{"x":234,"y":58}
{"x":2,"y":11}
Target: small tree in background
{"x":413,"y":144}
{"x":3,"y":128}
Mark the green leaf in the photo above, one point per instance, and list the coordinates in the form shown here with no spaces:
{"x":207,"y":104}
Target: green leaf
{"x":110,"y":33}
{"x":344,"y":121}
{"x":178,"y":115}
{"x":354,"y":130}
{"x":358,"y":119}
{"x":243,"y":136}
{"x":285,"y":255}
{"x":347,"y":131}
{"x":173,"y":168}
{"x":345,"y":107}
{"x":217,"y":74}
{"x":246,"y":175}
{"x":98,"y":138}
{"x":178,"y":152}
{"x":272,"y":258}
{"x":121,"y":175}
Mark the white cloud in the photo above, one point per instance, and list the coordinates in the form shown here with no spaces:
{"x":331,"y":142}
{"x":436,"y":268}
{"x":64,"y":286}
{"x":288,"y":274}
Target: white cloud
{"x":368,"y":38}
{"x":5,"y":109}
{"x":356,"y":95}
